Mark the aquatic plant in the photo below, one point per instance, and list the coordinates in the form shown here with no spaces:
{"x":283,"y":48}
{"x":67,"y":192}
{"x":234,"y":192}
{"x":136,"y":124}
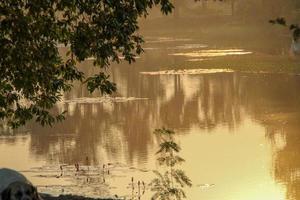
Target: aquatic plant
{"x":138,"y":189}
{"x":170,"y":184}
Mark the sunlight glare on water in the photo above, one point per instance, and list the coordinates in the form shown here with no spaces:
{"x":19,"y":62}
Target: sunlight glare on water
{"x":237,"y":170}
{"x":213,"y":53}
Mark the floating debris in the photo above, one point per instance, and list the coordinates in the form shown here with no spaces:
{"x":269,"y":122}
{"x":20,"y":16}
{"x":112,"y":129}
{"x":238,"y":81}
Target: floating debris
{"x":197,"y":59}
{"x":189,"y":46}
{"x":166,"y":39}
{"x":93,"y":100}
{"x":205,"y":186}
{"x":120,"y":57}
{"x":150,"y":48}
{"x":188,"y":72}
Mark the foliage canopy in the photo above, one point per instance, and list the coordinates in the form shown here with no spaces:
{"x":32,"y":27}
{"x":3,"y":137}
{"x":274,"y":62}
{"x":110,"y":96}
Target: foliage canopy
{"x":33,"y":75}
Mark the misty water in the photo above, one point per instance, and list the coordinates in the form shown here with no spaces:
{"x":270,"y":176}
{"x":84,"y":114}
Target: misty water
{"x":239,"y":130}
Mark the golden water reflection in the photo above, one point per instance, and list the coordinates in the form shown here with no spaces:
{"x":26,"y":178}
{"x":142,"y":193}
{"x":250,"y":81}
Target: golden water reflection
{"x":238,"y":131}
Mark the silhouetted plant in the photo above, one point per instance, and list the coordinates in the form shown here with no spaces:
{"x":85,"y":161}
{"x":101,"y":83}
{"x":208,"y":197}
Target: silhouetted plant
{"x":169,"y":185}
{"x":33,"y":72}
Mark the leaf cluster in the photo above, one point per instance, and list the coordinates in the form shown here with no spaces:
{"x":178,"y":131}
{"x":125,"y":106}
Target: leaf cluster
{"x":170,"y":184}
{"x":34,"y":75}
{"x":163,"y":189}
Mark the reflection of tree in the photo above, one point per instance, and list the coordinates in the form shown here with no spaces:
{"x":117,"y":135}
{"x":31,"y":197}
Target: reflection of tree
{"x":117,"y":130}
{"x":265,"y":8}
{"x":274,"y":101}
{"x":287,"y":157}
{"x":179,"y":5}
{"x":267,"y":94}
{"x":288,"y":163}
{"x":125,"y":128}
{"x":86,"y":131}
{"x":213,"y":102}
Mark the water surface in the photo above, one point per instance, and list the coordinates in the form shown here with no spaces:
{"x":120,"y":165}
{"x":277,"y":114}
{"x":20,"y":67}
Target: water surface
{"x":239,"y":131}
